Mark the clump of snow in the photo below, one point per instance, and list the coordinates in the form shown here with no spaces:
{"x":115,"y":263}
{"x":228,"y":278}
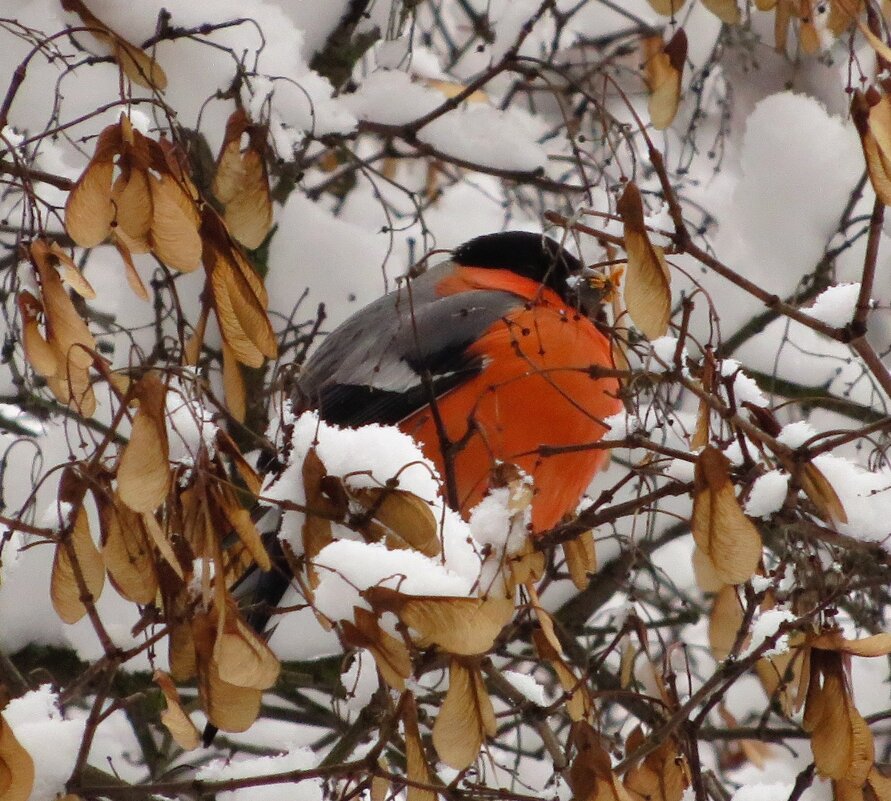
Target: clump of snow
{"x":341,"y":260}
{"x":138,"y":119}
{"x":528,"y":686}
{"x":744,"y":388}
{"x":56,"y":516}
{"x":504,"y":140}
{"x":794,"y":435}
{"x":768,"y":494}
{"x":50,"y":740}
{"x":806,"y":166}
{"x":864,"y":494}
{"x":24,"y":576}
{"x":11,"y":413}
{"x":369,"y":456}
{"x":734,"y":453}
{"x":190,"y":425}
{"x":392,"y":98}
{"x":500,"y":523}
{"x":663,"y":350}
{"x":680,"y":470}
{"x":346,"y":567}
{"x":836,"y":305}
{"x":293,"y":758}
{"x":620,"y":425}
{"x":493,"y":522}
{"x":360,"y":680}
{"x":9,"y":138}
{"x":402,"y":53}
{"x":765,"y":625}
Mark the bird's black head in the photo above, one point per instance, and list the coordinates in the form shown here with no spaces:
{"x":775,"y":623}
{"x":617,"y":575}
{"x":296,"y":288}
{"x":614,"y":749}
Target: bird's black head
{"x":534,"y":256}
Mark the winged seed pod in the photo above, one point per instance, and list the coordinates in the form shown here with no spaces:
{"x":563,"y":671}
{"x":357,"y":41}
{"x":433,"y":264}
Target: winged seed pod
{"x":465,"y":718}
{"x":239,"y":297}
{"x":590,"y":775}
{"x":725,"y":10}
{"x":581,"y":558}
{"x":822,"y":494}
{"x":234,"y":388}
{"x":144,"y":469}
{"x":134,"y":62}
{"x":417,"y":770}
{"x":457,"y":625}
{"x":126,"y":549}
{"x":720,"y":528}
{"x":241,"y":182}
{"x":76,"y":560}
{"x":647,"y":282}
{"x":65,"y":351}
{"x":404,"y":518}
{"x":229,"y":707}
{"x":242,"y":657}
{"x":871,"y":113}
{"x":151,"y":205}
{"x":841,"y":741}
{"x":663,"y":71}
{"x":579,"y":704}
{"x":16,"y":766}
{"x":390,"y":655}
{"x":667,"y":8}
{"x":662,"y":775}
{"x":174,"y":718}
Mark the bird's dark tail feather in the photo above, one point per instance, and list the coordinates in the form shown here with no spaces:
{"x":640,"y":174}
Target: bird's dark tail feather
{"x":262,"y":592}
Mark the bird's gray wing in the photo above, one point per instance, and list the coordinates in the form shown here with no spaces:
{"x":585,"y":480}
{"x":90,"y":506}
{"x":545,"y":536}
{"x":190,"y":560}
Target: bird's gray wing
{"x":399,"y":353}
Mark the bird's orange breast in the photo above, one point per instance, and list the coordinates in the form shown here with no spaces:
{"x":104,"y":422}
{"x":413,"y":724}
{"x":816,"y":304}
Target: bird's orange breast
{"x":535,"y":391}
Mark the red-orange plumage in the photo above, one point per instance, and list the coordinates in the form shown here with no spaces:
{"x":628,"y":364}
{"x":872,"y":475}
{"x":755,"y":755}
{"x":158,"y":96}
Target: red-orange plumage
{"x":534,"y":390}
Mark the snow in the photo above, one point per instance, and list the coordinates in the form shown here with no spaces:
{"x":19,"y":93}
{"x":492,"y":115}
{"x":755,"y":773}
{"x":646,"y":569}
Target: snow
{"x":50,"y":739}
{"x":768,"y":494}
{"x":664,"y":349}
{"x":346,"y":568}
{"x":25,"y":574}
{"x":190,"y":425}
{"x":56,"y":516}
{"x":794,"y":435}
{"x":312,"y":244}
{"x":316,"y":19}
{"x":795,"y":180}
{"x":806,"y":185}
{"x":354,"y":222}
{"x":620,"y":425}
{"x":865,"y":496}
{"x":403,"y":53}
{"x":836,"y":305}
{"x":9,"y":413}
{"x":492,"y":521}
{"x":681,"y":469}
{"x":360,"y":680}
{"x":503,"y":140}
{"x":745,"y":390}
{"x":373,"y":100}
{"x":528,"y":686}
{"x":291,"y":759}
{"x":765,"y":625}
{"x":370,"y":456}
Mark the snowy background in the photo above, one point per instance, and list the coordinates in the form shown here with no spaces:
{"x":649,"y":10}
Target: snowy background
{"x":769,"y":170}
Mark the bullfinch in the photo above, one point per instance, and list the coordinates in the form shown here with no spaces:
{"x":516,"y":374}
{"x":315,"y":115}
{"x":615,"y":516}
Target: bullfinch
{"x":483,"y":359}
